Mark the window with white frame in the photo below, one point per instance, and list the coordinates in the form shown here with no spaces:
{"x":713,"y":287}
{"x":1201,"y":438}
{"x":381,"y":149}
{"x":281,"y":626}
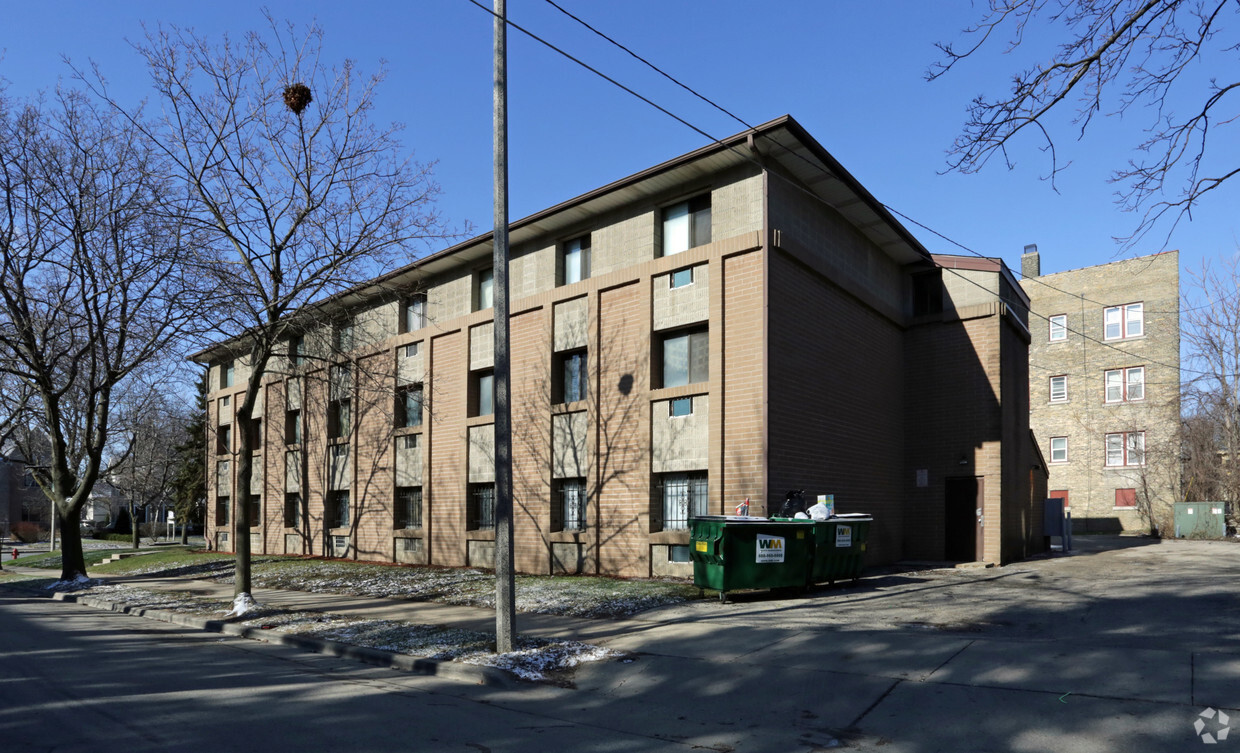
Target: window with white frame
{"x":681,"y":278}
{"x":1059,"y":327}
{"x":575,"y":260}
{"x":1125,"y":449}
{"x":1121,"y":322}
{"x":1059,"y":389}
{"x":226,"y":374}
{"x":1059,"y":449}
{"x":686,"y":225}
{"x":1125,"y":385}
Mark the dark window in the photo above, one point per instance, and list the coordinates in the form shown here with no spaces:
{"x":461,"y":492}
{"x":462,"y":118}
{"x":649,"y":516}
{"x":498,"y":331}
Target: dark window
{"x":292,"y":427}
{"x":681,"y":496}
{"x":409,"y":406}
{"x":223,"y":440}
{"x":256,"y":433}
{"x":296,"y":351}
{"x":226,"y":374}
{"x":481,"y":508}
{"x":928,"y":293}
{"x":685,"y":358}
{"x":568,"y":505}
{"x":482,"y":393}
{"x":339,"y":508}
{"x":409,"y":507}
{"x":572,"y":377}
{"x":256,"y":509}
{"x":686,"y":225}
{"x":339,"y":418}
{"x":221,"y":511}
{"x":292,"y":509}
{"x":342,"y":337}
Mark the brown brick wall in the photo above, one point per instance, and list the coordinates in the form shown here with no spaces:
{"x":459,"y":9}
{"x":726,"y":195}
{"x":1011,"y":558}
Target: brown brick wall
{"x":836,"y":413}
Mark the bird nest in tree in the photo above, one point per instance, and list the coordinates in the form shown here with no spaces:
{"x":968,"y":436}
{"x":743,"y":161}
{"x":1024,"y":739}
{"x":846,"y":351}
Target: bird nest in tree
{"x":297,"y":97}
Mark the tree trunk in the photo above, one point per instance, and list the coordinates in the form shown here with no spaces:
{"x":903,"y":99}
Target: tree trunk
{"x":185,"y":532}
{"x":72,"y":561}
{"x":133,"y":524}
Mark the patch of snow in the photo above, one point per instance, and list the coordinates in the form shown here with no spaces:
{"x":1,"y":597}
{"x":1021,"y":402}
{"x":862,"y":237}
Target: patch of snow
{"x":77,"y":584}
{"x":242,"y":605}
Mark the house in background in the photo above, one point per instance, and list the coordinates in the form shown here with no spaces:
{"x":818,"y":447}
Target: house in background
{"x":21,"y":500}
{"x":1105,"y":384}
{"x":737,"y":322}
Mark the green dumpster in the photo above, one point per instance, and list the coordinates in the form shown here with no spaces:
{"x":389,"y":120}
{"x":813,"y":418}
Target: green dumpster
{"x":729,"y":553}
{"x":839,"y":548}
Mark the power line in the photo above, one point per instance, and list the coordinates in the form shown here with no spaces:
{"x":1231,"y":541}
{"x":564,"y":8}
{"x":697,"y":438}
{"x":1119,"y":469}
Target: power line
{"x":815,"y":165}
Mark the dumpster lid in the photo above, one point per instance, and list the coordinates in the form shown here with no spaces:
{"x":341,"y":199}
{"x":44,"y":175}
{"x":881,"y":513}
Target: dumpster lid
{"x":749,"y":519}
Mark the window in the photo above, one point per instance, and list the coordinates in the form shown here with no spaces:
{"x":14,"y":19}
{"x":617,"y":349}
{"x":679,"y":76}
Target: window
{"x":568,"y":511}
{"x":292,"y":509}
{"x":296,"y":351}
{"x":1125,"y":385}
{"x":1059,"y":389}
{"x":575,"y":260}
{"x":1125,"y":449}
{"x":686,"y":225}
{"x":1125,"y":497}
{"x":256,"y":509}
{"x":683,"y":495}
{"x":339,"y":418}
{"x":686,"y":358}
{"x":408,"y":507}
{"x":1126,"y":321}
{"x":928,"y":293}
{"x":256,"y":433}
{"x":339,"y":508}
{"x":226,"y":374}
{"x":1059,"y":449}
{"x":292,"y":427}
{"x":573,"y":377}
{"x":681,"y":406}
{"x":681,"y":278}
{"x":481,"y":509}
{"x":482,"y":393}
{"x":409,"y":406}
{"x":413,"y":313}
{"x":407,"y":442}
{"x":223,"y":440}
{"x":412,"y":349}
{"x":221,"y":511}
{"x":1059,"y":327}
{"x":486,"y":289}
{"x":342,"y":337}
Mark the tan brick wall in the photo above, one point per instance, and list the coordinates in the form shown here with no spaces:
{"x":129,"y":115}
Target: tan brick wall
{"x":1084,"y":357}
{"x":443,"y":497}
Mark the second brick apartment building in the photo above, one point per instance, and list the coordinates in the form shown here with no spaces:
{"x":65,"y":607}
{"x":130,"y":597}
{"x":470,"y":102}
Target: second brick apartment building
{"x":1105,"y":386}
{"x":737,"y":322}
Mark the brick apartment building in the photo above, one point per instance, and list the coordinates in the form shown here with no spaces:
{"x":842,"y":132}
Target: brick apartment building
{"x":734,"y":323}
{"x":1105,"y":384}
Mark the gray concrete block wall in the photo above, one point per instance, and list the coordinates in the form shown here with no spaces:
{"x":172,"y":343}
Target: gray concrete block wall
{"x":677,"y":307}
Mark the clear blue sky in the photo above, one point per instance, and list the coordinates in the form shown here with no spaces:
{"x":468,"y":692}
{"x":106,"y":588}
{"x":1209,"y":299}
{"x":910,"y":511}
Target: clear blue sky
{"x":851,"y":71}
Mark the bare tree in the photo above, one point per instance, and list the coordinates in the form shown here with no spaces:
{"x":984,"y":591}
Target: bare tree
{"x":285,"y":168}
{"x":146,"y":473}
{"x":1212,"y":343}
{"x":91,"y":290}
{"x":1119,"y":57}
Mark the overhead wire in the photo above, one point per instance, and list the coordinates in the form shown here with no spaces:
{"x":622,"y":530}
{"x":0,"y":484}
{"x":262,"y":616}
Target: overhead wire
{"x":813,"y":164}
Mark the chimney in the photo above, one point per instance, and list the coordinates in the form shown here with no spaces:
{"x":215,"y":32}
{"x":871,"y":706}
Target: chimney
{"x":1030,"y":262}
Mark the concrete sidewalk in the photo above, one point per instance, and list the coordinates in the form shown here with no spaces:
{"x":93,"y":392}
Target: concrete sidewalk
{"x":1118,"y":647}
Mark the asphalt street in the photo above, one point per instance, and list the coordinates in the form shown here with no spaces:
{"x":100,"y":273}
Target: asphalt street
{"x":1119,"y":647}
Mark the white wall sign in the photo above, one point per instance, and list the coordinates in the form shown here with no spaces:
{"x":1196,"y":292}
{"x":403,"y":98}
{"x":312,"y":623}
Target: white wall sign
{"x":770,"y":548}
{"x":843,"y":537}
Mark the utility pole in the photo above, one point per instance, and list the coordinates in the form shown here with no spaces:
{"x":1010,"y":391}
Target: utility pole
{"x":505,"y":583}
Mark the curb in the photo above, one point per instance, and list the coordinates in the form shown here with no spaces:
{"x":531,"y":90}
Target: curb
{"x":476,"y":674}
